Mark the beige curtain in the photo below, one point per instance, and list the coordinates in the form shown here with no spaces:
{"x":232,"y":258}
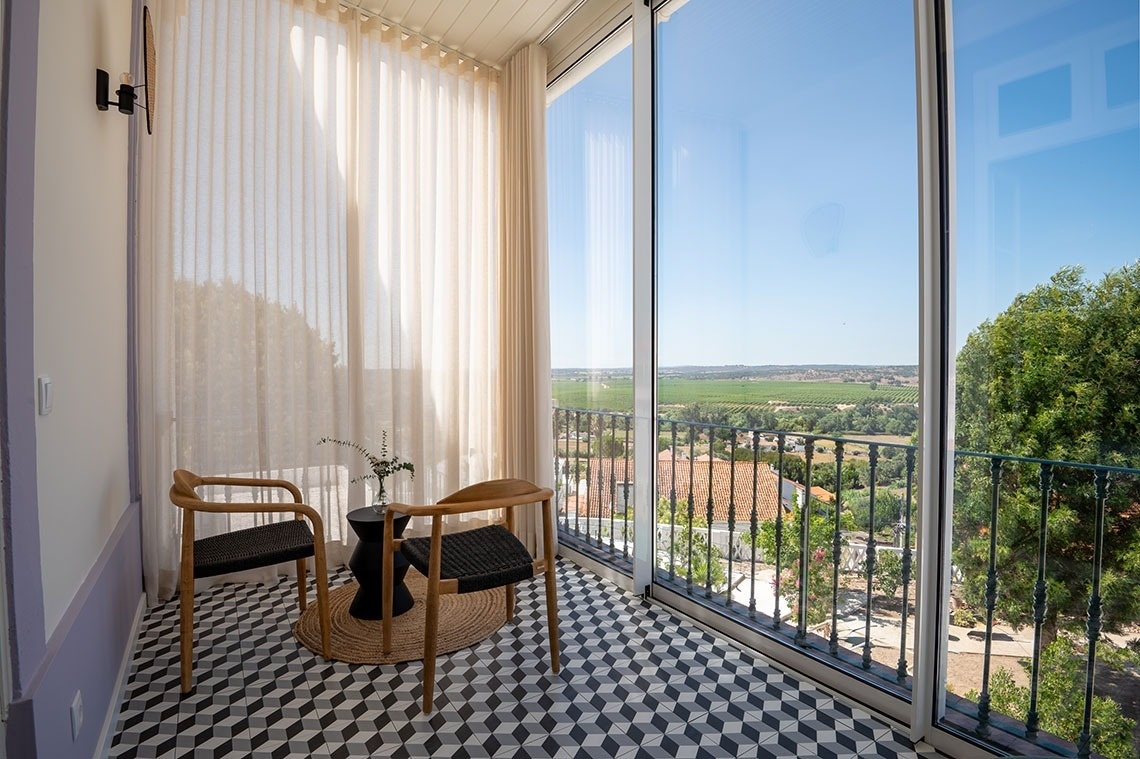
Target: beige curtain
{"x":525,"y":427}
{"x":318,"y":255}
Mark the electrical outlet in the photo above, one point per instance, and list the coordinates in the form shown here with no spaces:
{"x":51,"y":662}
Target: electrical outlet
{"x":76,"y":714}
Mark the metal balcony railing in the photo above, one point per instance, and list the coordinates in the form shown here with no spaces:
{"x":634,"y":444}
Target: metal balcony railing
{"x":730,"y":513}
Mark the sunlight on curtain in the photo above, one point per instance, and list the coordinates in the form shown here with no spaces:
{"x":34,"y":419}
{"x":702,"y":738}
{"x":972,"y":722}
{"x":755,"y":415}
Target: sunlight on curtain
{"x":319,"y":232}
{"x":524,"y":405}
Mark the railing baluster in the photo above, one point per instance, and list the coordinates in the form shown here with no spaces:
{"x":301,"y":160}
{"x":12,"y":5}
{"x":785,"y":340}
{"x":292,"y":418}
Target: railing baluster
{"x":673,"y":502}
{"x":709,"y":518}
{"x":900,"y":672}
{"x":873,"y":455}
{"x":559,"y":475}
{"x":625,"y":496}
{"x":589,"y":474}
{"x":566,"y":471}
{"x":805,"y":544}
{"x":613,"y":479}
{"x":753,"y":522}
{"x":574,"y":465}
{"x":689,"y":527}
{"x":1040,"y":597}
{"x":731,"y":512}
{"x":836,"y":547}
{"x":1084,"y":743}
{"x":991,"y":598}
{"x":779,"y":524}
{"x":578,"y":473}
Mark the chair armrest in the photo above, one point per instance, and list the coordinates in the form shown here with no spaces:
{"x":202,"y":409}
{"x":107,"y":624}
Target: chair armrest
{"x":299,"y":509}
{"x":255,"y":482}
{"x":466,"y":507}
{"x":184,"y":494}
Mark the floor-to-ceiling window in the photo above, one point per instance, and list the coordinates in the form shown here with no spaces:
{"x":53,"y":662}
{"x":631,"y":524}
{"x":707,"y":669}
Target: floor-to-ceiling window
{"x":861,"y":211}
{"x":787,"y":332}
{"x":1047,"y":339}
{"x":589,"y":170}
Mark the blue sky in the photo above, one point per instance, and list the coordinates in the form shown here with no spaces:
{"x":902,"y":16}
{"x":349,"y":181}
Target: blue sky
{"x":787,"y":192}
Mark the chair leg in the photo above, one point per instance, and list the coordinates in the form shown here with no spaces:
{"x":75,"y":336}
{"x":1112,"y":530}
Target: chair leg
{"x":301,"y":600}
{"x":431,"y":628}
{"x":510,"y":602}
{"x":551,"y":561}
{"x":431,"y":624}
{"x":321,"y":576}
{"x":552,"y":615}
{"x":186,"y":629}
{"x":387,"y":588}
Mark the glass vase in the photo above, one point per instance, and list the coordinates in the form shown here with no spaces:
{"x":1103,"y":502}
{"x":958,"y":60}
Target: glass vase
{"x":380,"y":503}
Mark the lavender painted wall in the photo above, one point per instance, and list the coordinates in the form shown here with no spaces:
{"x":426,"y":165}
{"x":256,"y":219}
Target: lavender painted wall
{"x":90,"y":633}
{"x":18,"y":431}
{"x":18,"y":441}
{"x":88,"y":646}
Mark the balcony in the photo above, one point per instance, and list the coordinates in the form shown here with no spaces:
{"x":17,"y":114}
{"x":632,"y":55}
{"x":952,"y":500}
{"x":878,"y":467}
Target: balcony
{"x":637,"y":681}
{"x":730,"y":538}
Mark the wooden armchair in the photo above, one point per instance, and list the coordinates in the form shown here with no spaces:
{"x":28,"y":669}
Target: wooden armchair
{"x":473,"y":560}
{"x":261,"y":546}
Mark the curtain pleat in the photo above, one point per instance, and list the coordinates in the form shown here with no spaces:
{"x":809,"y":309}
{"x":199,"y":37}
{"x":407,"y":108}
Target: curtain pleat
{"x":319,"y":255}
{"x":525,"y":435}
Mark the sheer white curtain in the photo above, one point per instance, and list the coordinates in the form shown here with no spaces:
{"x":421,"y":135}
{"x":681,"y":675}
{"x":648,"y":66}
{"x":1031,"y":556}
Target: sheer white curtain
{"x":525,"y":416}
{"x":318,"y":257}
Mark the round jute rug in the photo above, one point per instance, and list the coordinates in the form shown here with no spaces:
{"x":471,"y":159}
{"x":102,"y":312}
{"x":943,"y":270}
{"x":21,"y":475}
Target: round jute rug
{"x":464,"y":620}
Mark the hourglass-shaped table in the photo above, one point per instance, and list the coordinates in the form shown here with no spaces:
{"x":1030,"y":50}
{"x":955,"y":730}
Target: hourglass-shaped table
{"x":367,"y":565}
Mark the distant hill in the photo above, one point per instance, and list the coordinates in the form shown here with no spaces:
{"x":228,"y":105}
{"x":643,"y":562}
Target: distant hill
{"x":902,"y":374}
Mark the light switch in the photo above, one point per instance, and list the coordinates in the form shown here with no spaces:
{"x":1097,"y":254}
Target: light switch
{"x":46,"y":395}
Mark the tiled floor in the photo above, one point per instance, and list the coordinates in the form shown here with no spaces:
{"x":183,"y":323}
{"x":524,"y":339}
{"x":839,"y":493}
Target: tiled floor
{"x":636,"y":681}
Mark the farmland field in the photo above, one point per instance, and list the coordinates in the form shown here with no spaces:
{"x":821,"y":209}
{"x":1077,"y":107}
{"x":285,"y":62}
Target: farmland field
{"x":616,"y":394}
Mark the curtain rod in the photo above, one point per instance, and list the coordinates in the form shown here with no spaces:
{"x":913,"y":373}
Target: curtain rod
{"x":355,"y":5}
{"x":561,"y":22}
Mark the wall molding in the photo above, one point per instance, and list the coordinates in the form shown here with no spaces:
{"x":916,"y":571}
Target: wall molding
{"x":112,"y":717}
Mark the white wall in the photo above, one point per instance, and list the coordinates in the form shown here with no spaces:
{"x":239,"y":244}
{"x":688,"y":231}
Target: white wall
{"x":80,"y":293}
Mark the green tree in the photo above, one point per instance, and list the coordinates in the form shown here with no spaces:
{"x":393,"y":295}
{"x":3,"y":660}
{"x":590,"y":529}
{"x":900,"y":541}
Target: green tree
{"x":1053,"y":377}
{"x":794,"y":467}
{"x":888,"y":509}
{"x":821,"y":534}
{"x":610,"y":446}
{"x":1063,"y":676}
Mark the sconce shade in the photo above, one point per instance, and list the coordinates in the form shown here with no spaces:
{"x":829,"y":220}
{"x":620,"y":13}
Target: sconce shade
{"x":150,"y":68}
{"x":126,"y":91}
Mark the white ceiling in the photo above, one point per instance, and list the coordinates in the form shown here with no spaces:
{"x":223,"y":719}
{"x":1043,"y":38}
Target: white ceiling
{"x":489,"y":31}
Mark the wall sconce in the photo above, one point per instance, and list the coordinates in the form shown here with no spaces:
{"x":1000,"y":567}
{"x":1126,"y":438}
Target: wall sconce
{"x":126,"y":90}
{"x":127,"y":96}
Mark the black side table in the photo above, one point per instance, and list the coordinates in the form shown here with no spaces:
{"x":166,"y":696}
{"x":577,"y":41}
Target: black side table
{"x":367,"y":565}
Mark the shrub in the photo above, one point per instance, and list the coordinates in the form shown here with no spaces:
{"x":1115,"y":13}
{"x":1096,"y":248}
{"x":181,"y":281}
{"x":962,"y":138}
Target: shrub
{"x":1062,"y":676}
{"x":888,"y":573}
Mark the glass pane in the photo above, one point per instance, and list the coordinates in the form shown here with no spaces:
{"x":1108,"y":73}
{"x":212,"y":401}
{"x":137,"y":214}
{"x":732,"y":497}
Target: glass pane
{"x":1047,"y":416}
{"x":589,"y":168}
{"x":788,"y":319}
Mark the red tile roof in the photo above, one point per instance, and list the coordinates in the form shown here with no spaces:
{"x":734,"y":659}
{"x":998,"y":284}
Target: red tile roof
{"x":731,"y":484}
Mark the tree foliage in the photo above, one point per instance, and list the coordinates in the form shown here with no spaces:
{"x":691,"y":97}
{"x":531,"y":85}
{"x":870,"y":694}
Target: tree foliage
{"x":282,"y":361}
{"x":888,"y":510}
{"x":681,"y":537}
{"x":821,"y":536}
{"x":1053,"y":377}
{"x":1059,"y":705}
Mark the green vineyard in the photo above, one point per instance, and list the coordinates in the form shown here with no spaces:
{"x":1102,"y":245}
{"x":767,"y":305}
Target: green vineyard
{"x":617,"y":394}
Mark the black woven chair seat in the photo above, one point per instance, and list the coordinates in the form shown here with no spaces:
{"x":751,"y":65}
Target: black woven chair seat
{"x":488,"y":557}
{"x":287,"y":540}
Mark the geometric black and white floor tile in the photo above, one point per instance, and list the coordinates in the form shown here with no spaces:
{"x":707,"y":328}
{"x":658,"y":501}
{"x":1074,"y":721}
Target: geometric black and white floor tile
{"x":636,"y":681}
